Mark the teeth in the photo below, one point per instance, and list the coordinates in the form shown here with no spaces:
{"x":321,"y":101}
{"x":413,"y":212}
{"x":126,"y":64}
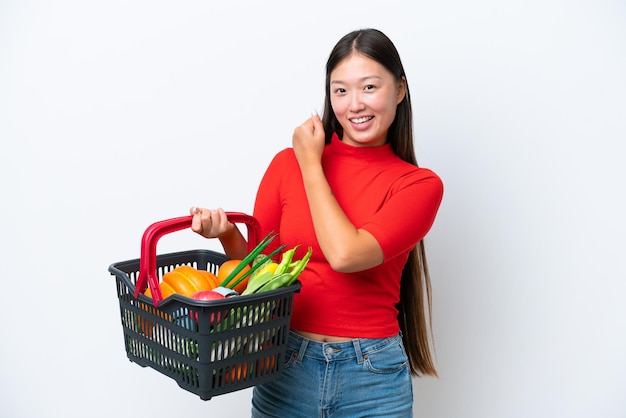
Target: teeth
{"x":361,"y":120}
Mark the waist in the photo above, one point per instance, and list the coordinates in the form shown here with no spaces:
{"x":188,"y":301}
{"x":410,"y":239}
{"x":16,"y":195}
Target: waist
{"x":329,"y":304}
{"x":321,"y":337}
{"x":354,"y":348}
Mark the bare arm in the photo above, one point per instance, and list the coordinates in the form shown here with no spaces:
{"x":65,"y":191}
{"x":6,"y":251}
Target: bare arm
{"x":213,"y":223}
{"x":346,"y":248}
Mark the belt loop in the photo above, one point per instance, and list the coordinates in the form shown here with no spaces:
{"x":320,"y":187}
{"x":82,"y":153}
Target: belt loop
{"x":303,"y":346}
{"x":357,"y":350}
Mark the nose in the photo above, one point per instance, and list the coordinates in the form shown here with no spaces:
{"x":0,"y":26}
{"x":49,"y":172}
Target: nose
{"x":356,"y":102}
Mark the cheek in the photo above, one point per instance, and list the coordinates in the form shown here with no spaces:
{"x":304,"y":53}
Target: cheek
{"x":393,"y":107}
{"x":386,"y":106}
{"x":338,"y":107}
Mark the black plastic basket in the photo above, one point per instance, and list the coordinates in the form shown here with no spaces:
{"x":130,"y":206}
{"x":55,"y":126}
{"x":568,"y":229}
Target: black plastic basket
{"x":208,"y":347}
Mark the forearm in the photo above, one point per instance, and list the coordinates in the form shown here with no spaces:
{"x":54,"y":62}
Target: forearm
{"x":234,"y":244}
{"x":345,"y":247}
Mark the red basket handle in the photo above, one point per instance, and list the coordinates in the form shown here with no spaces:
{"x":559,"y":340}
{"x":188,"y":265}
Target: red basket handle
{"x":147,"y":262}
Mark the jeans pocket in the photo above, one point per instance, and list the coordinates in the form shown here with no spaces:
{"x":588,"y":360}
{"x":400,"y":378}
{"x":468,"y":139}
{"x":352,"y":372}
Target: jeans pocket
{"x":390,"y":359}
{"x":290,"y":357}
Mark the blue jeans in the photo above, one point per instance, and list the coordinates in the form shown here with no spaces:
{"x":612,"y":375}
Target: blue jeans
{"x":359,"y":378}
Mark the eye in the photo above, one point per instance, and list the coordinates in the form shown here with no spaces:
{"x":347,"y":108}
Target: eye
{"x":369,"y":87}
{"x":340,"y":90}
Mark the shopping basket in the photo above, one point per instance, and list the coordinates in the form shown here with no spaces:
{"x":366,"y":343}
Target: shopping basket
{"x":208,"y":347}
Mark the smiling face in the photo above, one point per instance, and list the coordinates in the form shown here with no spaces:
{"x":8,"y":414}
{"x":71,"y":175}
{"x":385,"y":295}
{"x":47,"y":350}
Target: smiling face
{"x":364,"y":96}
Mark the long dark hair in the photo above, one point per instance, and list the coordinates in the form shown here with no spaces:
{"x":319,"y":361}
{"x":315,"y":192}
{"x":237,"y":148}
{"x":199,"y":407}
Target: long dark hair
{"x":415,"y":306}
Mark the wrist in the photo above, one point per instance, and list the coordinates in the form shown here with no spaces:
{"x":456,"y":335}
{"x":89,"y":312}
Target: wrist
{"x":311,"y":168}
{"x":228,"y":233}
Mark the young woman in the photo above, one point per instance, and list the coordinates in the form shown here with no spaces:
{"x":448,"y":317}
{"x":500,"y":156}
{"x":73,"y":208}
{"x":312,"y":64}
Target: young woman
{"x":352,"y":190}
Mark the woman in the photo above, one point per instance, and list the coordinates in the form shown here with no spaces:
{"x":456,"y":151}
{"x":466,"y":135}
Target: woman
{"x":351,"y":189}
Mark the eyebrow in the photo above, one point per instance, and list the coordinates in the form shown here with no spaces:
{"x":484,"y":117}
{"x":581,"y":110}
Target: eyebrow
{"x":360,"y":79}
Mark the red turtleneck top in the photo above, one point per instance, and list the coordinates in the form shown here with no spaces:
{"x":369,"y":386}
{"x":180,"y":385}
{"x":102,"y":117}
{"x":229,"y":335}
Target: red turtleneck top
{"x":393,"y":200}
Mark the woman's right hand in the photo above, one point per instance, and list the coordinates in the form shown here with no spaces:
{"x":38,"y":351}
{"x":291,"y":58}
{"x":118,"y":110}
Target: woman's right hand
{"x":210,"y":223}
{"x":308,"y":141}
{"x":214,"y":223}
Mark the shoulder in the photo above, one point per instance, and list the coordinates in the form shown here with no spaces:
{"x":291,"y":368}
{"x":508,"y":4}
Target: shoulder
{"x":427,"y":174}
{"x":412,"y":172}
{"x":284,"y":161}
{"x":420,"y":177}
{"x":284,"y":156}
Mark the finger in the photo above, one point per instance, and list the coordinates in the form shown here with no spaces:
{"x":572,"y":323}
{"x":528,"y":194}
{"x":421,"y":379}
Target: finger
{"x":215,"y":216}
{"x":312,"y":125}
{"x":196,"y":220}
{"x":317,"y":122}
{"x":223,"y":219}
{"x":318,"y":126}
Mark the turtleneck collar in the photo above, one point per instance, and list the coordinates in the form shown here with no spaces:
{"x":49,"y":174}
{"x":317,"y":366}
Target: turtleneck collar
{"x":361,"y":154}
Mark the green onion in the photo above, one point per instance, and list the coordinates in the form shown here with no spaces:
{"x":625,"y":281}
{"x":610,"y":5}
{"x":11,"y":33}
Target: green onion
{"x":256,"y":265}
{"x":251,"y":256}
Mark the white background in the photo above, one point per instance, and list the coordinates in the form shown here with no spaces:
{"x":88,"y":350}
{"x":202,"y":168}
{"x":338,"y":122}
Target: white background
{"x":116,"y":114}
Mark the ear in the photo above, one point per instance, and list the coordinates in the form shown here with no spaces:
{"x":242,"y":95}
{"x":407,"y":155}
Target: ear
{"x":401,"y":90}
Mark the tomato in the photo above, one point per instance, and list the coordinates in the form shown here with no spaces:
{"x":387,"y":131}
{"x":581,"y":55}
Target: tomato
{"x":207,"y":295}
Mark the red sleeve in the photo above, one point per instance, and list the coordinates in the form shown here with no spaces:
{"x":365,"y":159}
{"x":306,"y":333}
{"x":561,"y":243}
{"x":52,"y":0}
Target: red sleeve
{"x":408,"y":214}
{"x":268,"y":204}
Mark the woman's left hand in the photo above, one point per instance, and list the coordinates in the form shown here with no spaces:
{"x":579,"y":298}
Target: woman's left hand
{"x":309,"y":140}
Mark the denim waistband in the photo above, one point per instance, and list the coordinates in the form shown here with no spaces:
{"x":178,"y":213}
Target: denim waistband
{"x":358,"y":348}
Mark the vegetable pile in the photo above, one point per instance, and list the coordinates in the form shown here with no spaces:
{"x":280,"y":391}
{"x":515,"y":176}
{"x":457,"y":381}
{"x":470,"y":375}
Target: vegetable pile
{"x":256,"y":273}
{"x":273,"y":275}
